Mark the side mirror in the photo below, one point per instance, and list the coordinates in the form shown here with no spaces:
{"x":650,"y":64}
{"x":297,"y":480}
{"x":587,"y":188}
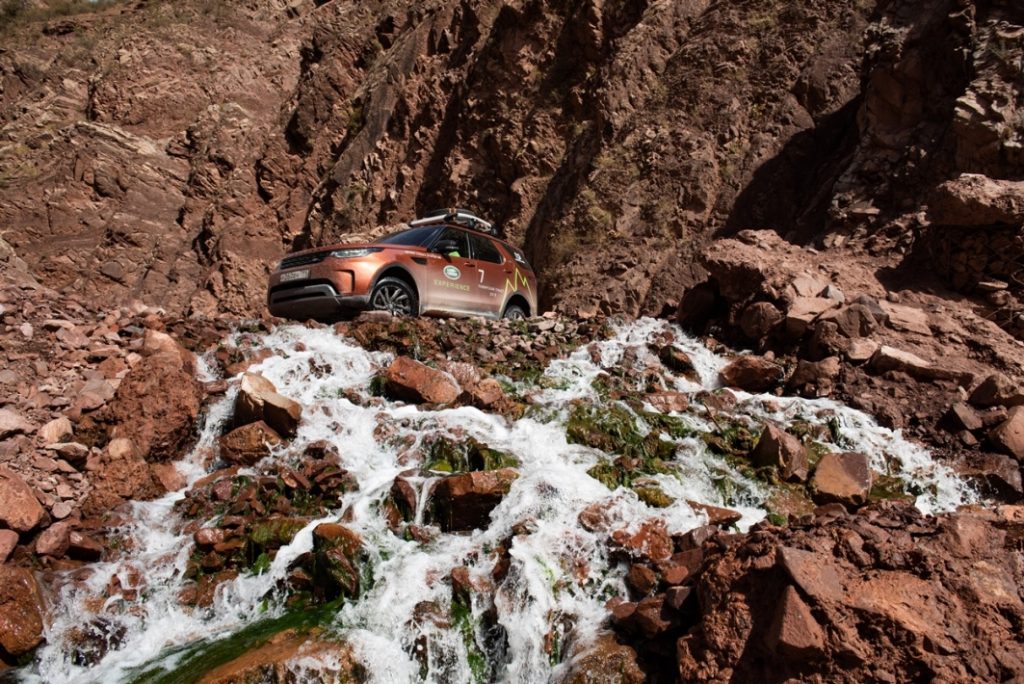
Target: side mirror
{"x":446,"y":246}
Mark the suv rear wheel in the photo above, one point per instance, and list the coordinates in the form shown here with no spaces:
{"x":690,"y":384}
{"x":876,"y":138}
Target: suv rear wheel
{"x":514,"y":312}
{"x":394,"y":296}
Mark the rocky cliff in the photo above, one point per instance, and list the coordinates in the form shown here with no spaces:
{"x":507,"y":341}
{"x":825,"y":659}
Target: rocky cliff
{"x":172,"y":151}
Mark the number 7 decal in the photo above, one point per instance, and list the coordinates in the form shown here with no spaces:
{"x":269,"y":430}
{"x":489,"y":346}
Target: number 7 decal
{"x":481,"y":275}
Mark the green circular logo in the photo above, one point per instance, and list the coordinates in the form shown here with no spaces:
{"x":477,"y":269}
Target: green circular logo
{"x":452,"y":273}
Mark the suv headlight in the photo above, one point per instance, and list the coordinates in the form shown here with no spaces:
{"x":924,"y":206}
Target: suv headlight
{"x":354,"y":253}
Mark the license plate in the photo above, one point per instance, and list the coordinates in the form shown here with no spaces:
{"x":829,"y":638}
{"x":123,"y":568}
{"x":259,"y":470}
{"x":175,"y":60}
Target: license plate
{"x":294,"y":275}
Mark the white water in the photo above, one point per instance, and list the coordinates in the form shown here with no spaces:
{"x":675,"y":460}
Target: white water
{"x":560,"y":571}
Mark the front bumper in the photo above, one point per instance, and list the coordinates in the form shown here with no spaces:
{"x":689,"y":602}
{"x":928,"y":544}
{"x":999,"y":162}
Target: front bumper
{"x":312,"y":300}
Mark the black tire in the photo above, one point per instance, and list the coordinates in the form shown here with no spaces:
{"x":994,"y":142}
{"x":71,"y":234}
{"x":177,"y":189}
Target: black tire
{"x":514,"y":312}
{"x":394,"y":296}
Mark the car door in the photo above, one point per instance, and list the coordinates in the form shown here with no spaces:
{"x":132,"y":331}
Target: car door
{"x":451,"y":277}
{"x":492,"y":274}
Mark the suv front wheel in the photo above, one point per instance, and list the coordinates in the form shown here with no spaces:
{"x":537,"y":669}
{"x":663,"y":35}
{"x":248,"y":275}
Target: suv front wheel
{"x":394,"y":296}
{"x":514,"y":312}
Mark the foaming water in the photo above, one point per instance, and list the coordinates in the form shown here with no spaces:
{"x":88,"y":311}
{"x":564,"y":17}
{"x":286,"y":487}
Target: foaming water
{"x":552,"y":598}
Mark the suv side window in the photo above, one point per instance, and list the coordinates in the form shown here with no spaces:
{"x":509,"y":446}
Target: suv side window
{"x":485,"y":250}
{"x":460,"y":239}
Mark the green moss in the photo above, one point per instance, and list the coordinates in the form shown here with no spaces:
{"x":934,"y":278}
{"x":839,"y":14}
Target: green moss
{"x":446,"y":455}
{"x":462,"y":617}
{"x":887,"y":487}
{"x":614,"y":429}
{"x":653,"y":496}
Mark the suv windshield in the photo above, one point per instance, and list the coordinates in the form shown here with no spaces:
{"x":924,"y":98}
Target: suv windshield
{"x":415,"y":237}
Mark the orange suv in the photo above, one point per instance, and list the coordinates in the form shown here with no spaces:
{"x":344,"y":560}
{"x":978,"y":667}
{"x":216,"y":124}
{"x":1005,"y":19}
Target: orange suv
{"x":447,"y":263}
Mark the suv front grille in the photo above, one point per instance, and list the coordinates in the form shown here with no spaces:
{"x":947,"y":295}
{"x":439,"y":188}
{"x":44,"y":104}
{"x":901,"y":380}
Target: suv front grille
{"x":303,"y":260}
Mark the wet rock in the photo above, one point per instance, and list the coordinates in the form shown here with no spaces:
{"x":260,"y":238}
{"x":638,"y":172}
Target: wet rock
{"x":668,"y":402}
{"x":465,"y":501}
{"x":795,"y":634}
{"x":842,"y":478}
{"x":777,"y":448}
{"x":13,"y":423}
{"x":994,"y":475}
{"x":21,"y":611}
{"x":168,"y":475}
{"x":258,"y":399}
{"x":248,"y":444}
{"x":487,"y":393}
{"x":718,"y":516}
{"x":605,"y":660}
{"x":20,"y":510}
{"x":274,"y":660}
{"x":759,"y":319}
{"x":1008,"y":436}
{"x":641,"y":579}
{"x":675,"y":359}
{"x":337,"y":559}
{"x":417,"y":383}
{"x":997,"y":390}
{"x":647,"y":541}
{"x":752,"y":374}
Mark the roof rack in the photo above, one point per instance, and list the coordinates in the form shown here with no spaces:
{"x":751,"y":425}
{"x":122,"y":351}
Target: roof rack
{"x":462,"y":217}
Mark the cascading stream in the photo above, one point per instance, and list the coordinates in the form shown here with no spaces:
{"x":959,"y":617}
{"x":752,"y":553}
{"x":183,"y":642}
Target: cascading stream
{"x":553,"y":596}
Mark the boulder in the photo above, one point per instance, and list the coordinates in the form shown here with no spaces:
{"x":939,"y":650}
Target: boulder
{"x":486,"y":393}
{"x":20,"y":510}
{"x":795,"y":634}
{"x":997,"y":390}
{"x":752,"y":374}
{"x":465,"y":501}
{"x":721,"y":517}
{"x":961,"y":416}
{"x":994,"y":475}
{"x":21,"y":611}
{"x":842,"y":478}
{"x":83,"y":547}
{"x":889,"y":358}
{"x":1008,"y":436}
{"x":779,"y":449}
{"x":759,"y":319}
{"x":258,"y":399}
{"x":248,"y":444}
{"x":13,"y":423}
{"x":412,"y":381}
{"x":156,"y":407}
